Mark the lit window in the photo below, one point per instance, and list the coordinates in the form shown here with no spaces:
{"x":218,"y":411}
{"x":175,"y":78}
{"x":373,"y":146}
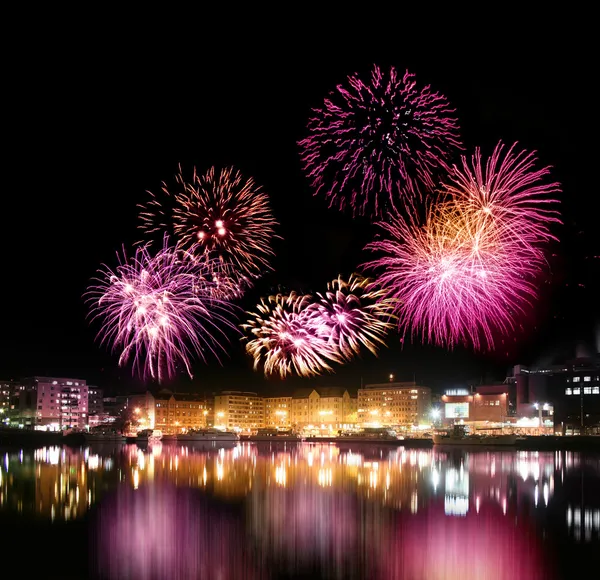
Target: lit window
{"x":595,"y":390}
{"x":587,"y":379}
{"x":577,"y":391}
{"x":576,"y":379}
{"x":587,"y":390}
{"x":568,"y":392}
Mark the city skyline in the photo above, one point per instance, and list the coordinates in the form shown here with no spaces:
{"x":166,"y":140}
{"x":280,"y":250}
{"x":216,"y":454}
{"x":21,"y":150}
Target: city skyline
{"x":249,"y":116}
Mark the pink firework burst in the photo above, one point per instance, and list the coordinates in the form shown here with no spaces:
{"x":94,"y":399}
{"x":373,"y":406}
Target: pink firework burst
{"x":353,"y":314}
{"x":374,"y":141}
{"x":471,"y":268}
{"x":153,"y":310}
{"x":221,"y":216}
{"x":284,"y":338}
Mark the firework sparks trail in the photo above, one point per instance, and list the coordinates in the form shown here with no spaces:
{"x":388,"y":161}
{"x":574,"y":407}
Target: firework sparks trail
{"x":376,"y":140}
{"x":353,"y":314}
{"x":221,"y":216}
{"x":471,"y":268}
{"x":154,"y":312}
{"x":283,"y":336}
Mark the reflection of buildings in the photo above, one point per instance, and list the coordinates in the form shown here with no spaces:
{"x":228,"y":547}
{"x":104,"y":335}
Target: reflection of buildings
{"x":394,"y":404}
{"x":326,"y":409}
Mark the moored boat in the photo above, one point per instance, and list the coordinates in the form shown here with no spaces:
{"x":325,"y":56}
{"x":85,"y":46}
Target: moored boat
{"x":104,"y":435}
{"x":149,"y":436}
{"x":459,"y":436}
{"x":276,"y":435}
{"x":371,"y":435}
{"x":207,"y":435}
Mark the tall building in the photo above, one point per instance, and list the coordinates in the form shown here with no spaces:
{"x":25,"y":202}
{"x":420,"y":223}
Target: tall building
{"x":56,"y":403}
{"x":278,"y":412}
{"x":394,"y":404}
{"x":179,"y":412}
{"x":5,"y":391}
{"x":324,"y":409}
{"x":95,"y":400}
{"x":239,"y":411}
{"x":571,"y":390}
{"x":95,"y":405}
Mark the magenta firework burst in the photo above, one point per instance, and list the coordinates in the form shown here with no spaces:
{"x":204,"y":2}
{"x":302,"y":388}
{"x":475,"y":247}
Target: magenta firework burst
{"x":470,"y":269}
{"x":220,"y":215}
{"x":373,"y":141}
{"x":353,"y":314}
{"x":153,"y":311}
{"x":284,"y":338}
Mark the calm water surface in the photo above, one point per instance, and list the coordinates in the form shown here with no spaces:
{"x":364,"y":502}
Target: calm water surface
{"x":298,"y":511}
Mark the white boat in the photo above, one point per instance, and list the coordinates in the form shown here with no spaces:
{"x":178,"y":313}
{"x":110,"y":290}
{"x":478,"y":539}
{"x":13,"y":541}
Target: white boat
{"x":207,"y":435}
{"x":275,"y":435}
{"x":149,"y":436}
{"x":104,"y":435}
{"x":459,"y":436}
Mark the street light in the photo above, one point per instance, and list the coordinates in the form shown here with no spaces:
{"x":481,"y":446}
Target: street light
{"x":391,"y":377}
{"x":435,"y":414}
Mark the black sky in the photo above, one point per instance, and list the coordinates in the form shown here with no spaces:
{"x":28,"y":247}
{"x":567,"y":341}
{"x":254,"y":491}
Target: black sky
{"x":100,"y":115}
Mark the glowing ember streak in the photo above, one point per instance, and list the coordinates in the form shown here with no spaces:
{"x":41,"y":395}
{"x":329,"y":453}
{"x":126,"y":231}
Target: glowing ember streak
{"x":372,"y":141}
{"x":284,"y":338}
{"x":353,"y":314}
{"x":221,"y":216}
{"x":471,"y":267}
{"x":153,"y":310}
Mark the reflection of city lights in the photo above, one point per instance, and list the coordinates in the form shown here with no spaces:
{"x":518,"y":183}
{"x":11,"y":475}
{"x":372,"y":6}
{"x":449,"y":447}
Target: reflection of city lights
{"x":136,"y":479}
{"x":281,"y":475}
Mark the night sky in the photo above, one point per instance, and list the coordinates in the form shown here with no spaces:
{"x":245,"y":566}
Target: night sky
{"x":96,"y":119}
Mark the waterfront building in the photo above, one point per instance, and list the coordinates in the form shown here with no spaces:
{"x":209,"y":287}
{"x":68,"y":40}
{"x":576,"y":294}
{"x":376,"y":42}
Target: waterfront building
{"x":179,"y":412}
{"x":95,"y":406}
{"x":571,"y":391}
{"x":278,"y":412}
{"x":487,"y":404}
{"x":325,"y":410}
{"x":5,"y":391}
{"x":239,"y":411}
{"x":394,"y":404}
{"x":50,"y":402}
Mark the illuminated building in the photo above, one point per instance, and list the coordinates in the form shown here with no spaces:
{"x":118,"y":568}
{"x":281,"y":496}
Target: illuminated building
{"x":571,"y":389}
{"x":178,"y":412}
{"x":487,"y":404}
{"x":394,"y":404}
{"x":48,"y":402}
{"x":239,"y":411}
{"x":278,"y":412}
{"x":5,"y":391}
{"x":324,"y":409}
{"x":95,"y":406}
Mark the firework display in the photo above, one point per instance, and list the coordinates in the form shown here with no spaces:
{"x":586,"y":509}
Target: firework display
{"x":154,"y":312}
{"x":353,"y":314}
{"x":374,"y":141}
{"x":304,"y":335}
{"x":470,"y":268}
{"x":458,"y":266}
{"x":286,"y":339}
{"x":221,"y":216}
